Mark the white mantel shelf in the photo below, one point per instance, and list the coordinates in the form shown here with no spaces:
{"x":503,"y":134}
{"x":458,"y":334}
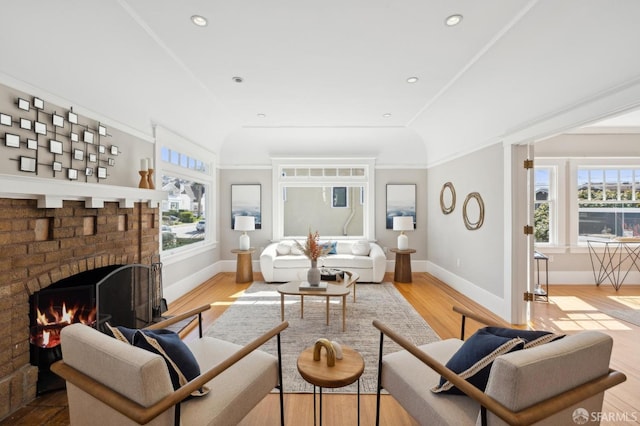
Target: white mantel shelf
{"x":51,"y":193}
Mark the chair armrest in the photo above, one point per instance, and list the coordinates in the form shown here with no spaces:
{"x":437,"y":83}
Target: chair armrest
{"x":527,"y":416}
{"x":143,"y":415}
{"x":177,"y":318}
{"x":481,"y":319}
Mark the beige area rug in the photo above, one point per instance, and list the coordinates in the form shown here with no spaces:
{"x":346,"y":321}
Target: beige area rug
{"x":631,"y":313}
{"x":258,"y":310}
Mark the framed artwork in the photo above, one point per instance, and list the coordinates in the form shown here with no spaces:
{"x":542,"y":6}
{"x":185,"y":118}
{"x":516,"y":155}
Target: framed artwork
{"x":102,"y":173}
{"x":339,"y":196}
{"x":78,"y":154}
{"x":5,"y":119}
{"x":111,"y":162}
{"x":101,"y":149}
{"x":38,"y":103}
{"x":28,"y":164}
{"x":32,"y":144}
{"x":246,"y":201}
{"x":55,"y":147}
{"x":93,"y":158}
{"x":102,"y":131}
{"x":72,"y":118}
{"x":114,"y":150}
{"x":74,"y":137}
{"x":12,"y":140}
{"x":25,"y":124}
{"x":58,"y":120}
{"x":88,"y":171}
{"x":88,"y":136}
{"x":40,"y":128}
{"x":72,"y":174}
{"x":56,"y":166}
{"x":401,"y":201}
{"x":23,"y":104}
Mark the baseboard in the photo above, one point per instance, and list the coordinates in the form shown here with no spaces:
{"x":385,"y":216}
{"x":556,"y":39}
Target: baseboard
{"x":190,"y":282}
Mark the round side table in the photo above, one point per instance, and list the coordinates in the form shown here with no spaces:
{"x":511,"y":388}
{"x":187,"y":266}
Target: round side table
{"x":244,"y":270}
{"x":403,"y":265}
{"x":346,"y":371}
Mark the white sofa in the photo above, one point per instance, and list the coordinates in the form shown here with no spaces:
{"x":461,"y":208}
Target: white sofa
{"x":281,"y":262}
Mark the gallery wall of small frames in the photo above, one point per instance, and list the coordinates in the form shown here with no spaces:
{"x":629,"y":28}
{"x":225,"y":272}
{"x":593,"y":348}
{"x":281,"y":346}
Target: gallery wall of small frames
{"x":53,"y":143}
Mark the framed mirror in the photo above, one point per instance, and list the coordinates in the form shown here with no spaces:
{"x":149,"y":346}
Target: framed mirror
{"x":114,"y":150}
{"x":473,"y":211}
{"x":12,"y":140}
{"x":25,"y":124}
{"x":38,"y":103}
{"x":78,"y":154}
{"x":102,"y":131}
{"x":27,"y":164}
{"x":74,"y":137}
{"x":23,"y":104}
{"x":56,"y":166}
{"x":72,"y":117}
{"x":447,"y":198}
{"x":72,"y":174}
{"x":102,"y":173}
{"x":88,"y":136}
{"x":32,"y":144}
{"x":40,"y":128}
{"x":88,"y":171}
{"x":5,"y":119}
{"x":102,"y":149}
{"x":93,"y":158}
{"x":58,"y":120}
{"x":55,"y":147}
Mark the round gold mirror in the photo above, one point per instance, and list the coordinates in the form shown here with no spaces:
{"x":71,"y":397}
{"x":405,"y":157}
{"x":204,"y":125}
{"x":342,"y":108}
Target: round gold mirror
{"x":447,"y":198}
{"x":473,"y":207}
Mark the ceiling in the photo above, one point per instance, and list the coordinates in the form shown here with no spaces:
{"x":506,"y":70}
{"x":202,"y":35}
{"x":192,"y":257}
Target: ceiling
{"x":321,"y":77}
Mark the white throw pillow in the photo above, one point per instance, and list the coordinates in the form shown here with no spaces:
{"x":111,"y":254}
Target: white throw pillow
{"x":283,"y":248}
{"x":296,"y":250}
{"x":361,"y":248}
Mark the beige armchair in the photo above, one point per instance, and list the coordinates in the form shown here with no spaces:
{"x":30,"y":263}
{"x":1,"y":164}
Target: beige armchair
{"x":546,"y":384}
{"x":110,"y":382}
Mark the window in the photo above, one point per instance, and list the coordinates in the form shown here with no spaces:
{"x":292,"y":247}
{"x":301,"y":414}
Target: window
{"x":188,"y":181}
{"x":543,"y":205}
{"x":608,"y":201}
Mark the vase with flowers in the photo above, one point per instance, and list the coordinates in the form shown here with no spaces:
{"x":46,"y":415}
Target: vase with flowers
{"x":313,"y":250}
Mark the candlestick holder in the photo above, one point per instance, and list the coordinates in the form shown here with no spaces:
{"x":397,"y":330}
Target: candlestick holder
{"x":144,"y":181}
{"x":150,"y":180}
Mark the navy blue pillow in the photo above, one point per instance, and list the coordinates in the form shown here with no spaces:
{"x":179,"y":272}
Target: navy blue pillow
{"x":181,"y":363}
{"x":474,"y":359}
{"x":531,"y":337}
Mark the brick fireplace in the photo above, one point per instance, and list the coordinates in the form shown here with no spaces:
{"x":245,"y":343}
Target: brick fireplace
{"x":40,"y":246}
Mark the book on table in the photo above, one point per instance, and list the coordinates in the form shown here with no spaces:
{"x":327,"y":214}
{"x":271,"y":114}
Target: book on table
{"x":304,"y":285}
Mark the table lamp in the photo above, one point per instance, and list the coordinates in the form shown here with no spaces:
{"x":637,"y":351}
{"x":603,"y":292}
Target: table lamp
{"x":403,"y":223}
{"x":244,"y":224}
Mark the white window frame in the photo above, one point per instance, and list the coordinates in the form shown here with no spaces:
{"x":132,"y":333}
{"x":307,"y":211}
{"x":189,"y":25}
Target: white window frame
{"x":366,"y":181}
{"x":167,"y":139}
{"x":558,"y":203}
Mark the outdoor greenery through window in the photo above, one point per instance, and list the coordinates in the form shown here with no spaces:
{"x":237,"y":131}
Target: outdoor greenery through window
{"x":183,"y":213}
{"x":543,"y":204}
{"x":608,"y":202}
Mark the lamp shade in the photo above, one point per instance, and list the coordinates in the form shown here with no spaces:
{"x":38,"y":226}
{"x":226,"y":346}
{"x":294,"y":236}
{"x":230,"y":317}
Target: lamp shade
{"x":245,"y":223}
{"x":403,"y":223}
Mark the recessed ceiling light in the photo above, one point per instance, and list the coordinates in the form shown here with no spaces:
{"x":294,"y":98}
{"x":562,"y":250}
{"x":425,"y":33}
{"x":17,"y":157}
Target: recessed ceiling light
{"x":412,"y":80}
{"x":261,"y":115}
{"x":453,"y":20}
{"x":386,"y":115}
{"x":237,"y":79}
{"x":199,"y":20}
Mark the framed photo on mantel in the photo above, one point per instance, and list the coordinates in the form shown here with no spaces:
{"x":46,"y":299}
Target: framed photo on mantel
{"x":246,"y":201}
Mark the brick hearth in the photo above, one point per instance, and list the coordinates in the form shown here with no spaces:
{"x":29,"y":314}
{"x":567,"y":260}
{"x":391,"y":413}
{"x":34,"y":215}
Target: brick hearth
{"x":39,"y":246}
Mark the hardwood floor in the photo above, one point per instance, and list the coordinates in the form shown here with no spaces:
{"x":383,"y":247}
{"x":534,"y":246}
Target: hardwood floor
{"x":571,"y":308}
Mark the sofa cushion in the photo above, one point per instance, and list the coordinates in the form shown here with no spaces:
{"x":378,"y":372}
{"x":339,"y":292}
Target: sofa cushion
{"x":181,"y":363}
{"x":346,"y":261}
{"x":361,"y":248}
{"x":331,"y":245}
{"x":531,"y":337}
{"x":474,"y":359}
{"x":295,"y":250}
{"x":283,"y":248}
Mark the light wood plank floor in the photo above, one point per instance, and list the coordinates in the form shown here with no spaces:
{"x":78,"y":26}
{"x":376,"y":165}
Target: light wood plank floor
{"x":571,"y":308}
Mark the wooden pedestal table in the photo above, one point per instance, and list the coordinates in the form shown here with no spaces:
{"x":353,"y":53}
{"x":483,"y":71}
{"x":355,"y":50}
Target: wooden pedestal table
{"x":345,"y":371}
{"x":403,"y":265}
{"x":293,"y":288}
{"x":244,"y":270}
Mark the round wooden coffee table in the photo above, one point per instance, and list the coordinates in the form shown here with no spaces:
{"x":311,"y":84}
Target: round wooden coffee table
{"x":346,"y":371}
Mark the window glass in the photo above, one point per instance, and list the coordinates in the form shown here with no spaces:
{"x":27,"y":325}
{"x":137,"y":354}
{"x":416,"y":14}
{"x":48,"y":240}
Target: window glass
{"x":541,"y":215}
{"x":183,"y":213}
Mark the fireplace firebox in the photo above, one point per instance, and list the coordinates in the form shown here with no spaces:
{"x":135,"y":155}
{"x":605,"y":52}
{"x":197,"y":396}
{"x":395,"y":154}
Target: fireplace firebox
{"x":117,"y":294}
